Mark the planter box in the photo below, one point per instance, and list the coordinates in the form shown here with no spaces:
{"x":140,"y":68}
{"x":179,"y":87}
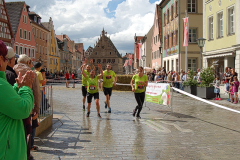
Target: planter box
{"x":191,"y":89}
{"x":206,"y":92}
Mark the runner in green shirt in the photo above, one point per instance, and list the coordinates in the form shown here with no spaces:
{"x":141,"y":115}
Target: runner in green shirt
{"x":92,"y":88}
{"x":84,"y":81}
{"x":108,"y":84}
{"x":141,"y":82}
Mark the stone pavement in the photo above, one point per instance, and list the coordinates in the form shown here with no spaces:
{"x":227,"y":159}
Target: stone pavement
{"x":194,"y":130}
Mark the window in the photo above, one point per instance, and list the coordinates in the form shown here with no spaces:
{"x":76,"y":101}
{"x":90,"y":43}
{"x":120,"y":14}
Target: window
{"x":16,"y":48}
{"x":29,"y":52}
{"x":25,"y":34}
{"x":98,"y":60}
{"x":173,"y":65}
{"x":93,"y":60}
{"x":210,"y":28}
{"x":168,"y":41}
{"x":108,"y":60}
{"x":29,"y":36}
{"x":192,"y":64}
{"x":21,"y":50}
{"x":20,"y":33}
{"x":40,"y":49}
{"x":37,"y":33}
{"x":96,"y":53}
{"x":192,"y":6}
{"x":176,"y":9}
{"x":220,"y":24}
{"x":25,"y":51}
{"x":34,"y":31}
{"x":192,"y":36}
{"x":165,"y":18}
{"x":176,"y":64}
{"x":113,"y":60}
{"x":158,"y":38}
{"x":110,"y":53}
{"x":176,"y":40}
{"x":172,"y":38}
{"x":231,"y":21}
{"x":104,"y":60}
{"x":50,"y":60}
{"x":40,"y":34}
{"x":35,"y":18}
{"x":33,"y":53}
{"x":3,"y":29}
{"x":172,"y":12}
{"x":37,"y":48}
{"x":168,"y":16}
{"x":43,"y":36}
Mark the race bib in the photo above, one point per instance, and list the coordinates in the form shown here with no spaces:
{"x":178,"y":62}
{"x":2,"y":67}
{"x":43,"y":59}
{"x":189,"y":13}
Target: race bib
{"x":140,"y":86}
{"x":108,"y":77}
{"x":91,"y":87}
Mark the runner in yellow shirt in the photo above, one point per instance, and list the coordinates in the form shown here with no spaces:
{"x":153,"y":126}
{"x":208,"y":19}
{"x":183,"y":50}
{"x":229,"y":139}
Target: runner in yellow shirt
{"x":92,"y":88}
{"x":84,"y":81}
{"x":141,"y":82}
{"x":108,"y":84}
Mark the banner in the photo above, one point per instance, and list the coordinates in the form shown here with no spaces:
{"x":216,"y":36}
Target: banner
{"x":185,"y":32}
{"x":158,"y":93}
{"x":140,"y":50}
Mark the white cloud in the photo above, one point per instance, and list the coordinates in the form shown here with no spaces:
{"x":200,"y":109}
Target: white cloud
{"x":83,"y":20}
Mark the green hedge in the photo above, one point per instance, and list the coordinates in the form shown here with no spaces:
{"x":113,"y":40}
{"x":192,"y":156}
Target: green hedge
{"x":123,"y":79}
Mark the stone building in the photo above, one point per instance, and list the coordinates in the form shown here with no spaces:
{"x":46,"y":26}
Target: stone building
{"x":88,"y":52}
{"x":41,"y":38}
{"x":105,"y":52}
{"x":53,"y":51}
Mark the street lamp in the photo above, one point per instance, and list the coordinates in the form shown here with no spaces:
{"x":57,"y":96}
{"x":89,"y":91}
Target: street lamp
{"x":201,"y":42}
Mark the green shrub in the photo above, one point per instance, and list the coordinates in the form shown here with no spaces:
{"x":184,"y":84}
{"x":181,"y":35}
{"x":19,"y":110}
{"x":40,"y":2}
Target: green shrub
{"x":190,"y":80}
{"x":123,"y":79}
{"x":207,"y":77}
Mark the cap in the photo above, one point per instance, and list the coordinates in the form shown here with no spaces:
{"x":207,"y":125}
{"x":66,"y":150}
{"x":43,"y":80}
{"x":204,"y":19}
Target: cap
{"x":10,"y":53}
{"x":37,"y":65}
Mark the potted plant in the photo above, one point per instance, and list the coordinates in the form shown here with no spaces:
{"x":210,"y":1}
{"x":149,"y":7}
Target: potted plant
{"x":190,"y":85}
{"x":205,"y":89}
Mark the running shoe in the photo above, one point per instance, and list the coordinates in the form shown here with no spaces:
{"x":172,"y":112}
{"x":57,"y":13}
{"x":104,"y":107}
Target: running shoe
{"x":138,"y":117}
{"x":109,"y":110}
{"x":105,"y":104}
{"x":88,"y":113}
{"x":83,"y":107}
{"x":134,"y":113}
{"x":99,"y":116}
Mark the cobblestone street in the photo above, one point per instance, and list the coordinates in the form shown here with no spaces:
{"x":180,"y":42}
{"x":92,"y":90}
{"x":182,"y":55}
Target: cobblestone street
{"x":194,"y":130}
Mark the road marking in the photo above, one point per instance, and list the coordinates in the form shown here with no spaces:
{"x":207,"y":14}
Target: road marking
{"x":177,"y":127}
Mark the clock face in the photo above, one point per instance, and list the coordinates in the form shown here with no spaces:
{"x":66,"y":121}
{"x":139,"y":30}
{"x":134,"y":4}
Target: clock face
{"x":102,"y":47}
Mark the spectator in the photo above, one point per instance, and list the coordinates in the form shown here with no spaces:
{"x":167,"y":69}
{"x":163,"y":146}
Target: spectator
{"x":44,"y":77}
{"x":16,"y":104}
{"x":67,"y":79}
{"x":10,"y":73}
{"x":24,"y":65}
{"x":227,"y":79}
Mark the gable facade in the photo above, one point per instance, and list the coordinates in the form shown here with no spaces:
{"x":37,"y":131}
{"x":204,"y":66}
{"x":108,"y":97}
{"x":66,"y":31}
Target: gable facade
{"x":106,"y":53}
{"x":6,"y":33}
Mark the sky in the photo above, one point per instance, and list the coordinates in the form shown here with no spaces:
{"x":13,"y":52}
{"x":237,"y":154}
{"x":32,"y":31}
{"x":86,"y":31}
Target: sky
{"x":83,"y":20}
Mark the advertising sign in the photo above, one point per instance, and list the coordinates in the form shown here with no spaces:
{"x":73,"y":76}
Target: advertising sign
{"x":158,"y":93}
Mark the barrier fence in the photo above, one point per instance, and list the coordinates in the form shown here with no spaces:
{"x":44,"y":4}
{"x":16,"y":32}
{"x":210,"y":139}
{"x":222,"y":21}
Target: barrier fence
{"x":46,"y":105}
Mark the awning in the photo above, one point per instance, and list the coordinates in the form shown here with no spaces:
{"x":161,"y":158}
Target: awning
{"x":218,"y":55}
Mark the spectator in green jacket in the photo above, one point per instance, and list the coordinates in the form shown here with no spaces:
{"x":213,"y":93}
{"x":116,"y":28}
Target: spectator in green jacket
{"x":16,"y":104}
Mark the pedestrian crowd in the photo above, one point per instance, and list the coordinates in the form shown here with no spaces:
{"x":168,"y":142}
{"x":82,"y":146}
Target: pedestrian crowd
{"x":176,"y":79}
{"x":21,"y":97}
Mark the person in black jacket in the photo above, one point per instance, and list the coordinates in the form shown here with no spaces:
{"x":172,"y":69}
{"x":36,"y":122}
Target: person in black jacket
{"x":10,"y":73}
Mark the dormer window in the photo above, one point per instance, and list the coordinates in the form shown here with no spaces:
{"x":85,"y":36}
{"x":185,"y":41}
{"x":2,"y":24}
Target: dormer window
{"x":39,"y":20}
{"x":35,"y":18}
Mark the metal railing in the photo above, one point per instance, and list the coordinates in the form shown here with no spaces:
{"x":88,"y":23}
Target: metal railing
{"x":46,"y":106}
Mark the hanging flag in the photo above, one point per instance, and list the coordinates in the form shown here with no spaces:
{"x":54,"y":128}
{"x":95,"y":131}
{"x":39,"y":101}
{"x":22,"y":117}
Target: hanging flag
{"x":140,"y":50}
{"x":185,"y":32}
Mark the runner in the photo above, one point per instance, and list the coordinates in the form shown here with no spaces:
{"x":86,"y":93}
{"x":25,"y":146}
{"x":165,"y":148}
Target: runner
{"x":108,"y":84}
{"x":84,"y":82}
{"x":141,"y":81}
{"x":92,"y":88}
